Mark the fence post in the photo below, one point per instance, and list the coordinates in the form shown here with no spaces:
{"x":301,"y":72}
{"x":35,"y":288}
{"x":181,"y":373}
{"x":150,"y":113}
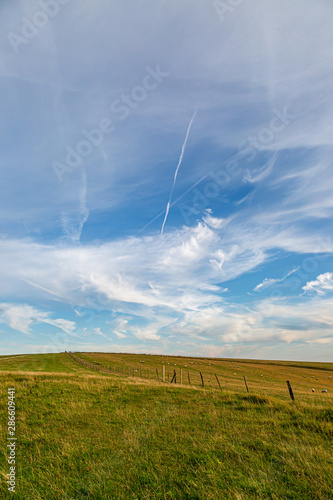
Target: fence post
{"x":163,"y":373}
{"x":189,"y":380}
{"x":290,"y":391}
{"x":202,"y":380}
{"x":174,"y":377}
{"x":218,"y":382}
{"x":246,"y":384}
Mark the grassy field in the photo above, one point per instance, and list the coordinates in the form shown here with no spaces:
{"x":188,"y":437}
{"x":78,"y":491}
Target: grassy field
{"x":262,"y":376}
{"x":90,"y":435}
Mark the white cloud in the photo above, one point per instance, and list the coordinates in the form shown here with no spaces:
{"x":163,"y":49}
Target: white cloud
{"x":23,"y":317}
{"x":323,"y":283}
{"x":176,"y":272}
{"x":119,"y":326}
{"x":178,"y":265}
{"x":97,"y":331}
{"x":266,"y":283}
{"x":271,"y":281}
{"x":120,"y":335}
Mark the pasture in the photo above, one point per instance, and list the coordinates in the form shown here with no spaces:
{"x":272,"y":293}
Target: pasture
{"x":86,"y":434}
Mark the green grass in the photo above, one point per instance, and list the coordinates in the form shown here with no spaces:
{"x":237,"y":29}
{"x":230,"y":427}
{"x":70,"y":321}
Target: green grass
{"x":86,"y":435}
{"x":38,"y":362}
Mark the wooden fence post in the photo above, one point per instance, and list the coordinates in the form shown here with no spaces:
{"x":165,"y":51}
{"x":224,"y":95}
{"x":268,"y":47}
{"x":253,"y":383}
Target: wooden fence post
{"x":218,"y":382}
{"x":189,"y":380}
{"x":290,"y":391}
{"x":246,"y":384}
{"x":202,"y":380}
{"x":163,"y":373}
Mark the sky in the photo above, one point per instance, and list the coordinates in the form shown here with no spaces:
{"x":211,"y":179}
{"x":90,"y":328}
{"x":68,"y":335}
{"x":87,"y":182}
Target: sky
{"x":166,"y":177}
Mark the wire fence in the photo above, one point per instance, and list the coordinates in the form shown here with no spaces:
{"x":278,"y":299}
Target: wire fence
{"x":186,"y":377}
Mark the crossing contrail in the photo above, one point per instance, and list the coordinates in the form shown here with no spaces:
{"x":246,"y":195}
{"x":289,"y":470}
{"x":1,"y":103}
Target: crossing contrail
{"x":179,"y":163}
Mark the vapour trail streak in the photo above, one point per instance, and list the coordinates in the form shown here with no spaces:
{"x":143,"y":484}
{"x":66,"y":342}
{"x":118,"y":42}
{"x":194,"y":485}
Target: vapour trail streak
{"x":232,"y":157}
{"x":43,"y":288}
{"x":177,"y":169}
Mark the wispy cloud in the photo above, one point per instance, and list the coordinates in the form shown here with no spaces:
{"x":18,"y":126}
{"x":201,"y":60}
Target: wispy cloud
{"x":271,"y":281}
{"x":260,"y":174}
{"x":22,"y":317}
{"x":98,"y":331}
{"x":73,"y":226}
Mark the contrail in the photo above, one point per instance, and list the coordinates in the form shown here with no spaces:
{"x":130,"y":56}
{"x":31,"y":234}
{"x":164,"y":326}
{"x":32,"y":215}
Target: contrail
{"x":179,"y":163}
{"x":43,"y":288}
{"x":73,"y":227}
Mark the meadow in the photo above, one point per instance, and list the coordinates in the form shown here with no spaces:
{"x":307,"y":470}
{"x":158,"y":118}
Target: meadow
{"x":87,"y":434}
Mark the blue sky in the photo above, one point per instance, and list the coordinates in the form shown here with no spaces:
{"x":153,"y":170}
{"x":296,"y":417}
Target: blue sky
{"x":166,"y":177}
